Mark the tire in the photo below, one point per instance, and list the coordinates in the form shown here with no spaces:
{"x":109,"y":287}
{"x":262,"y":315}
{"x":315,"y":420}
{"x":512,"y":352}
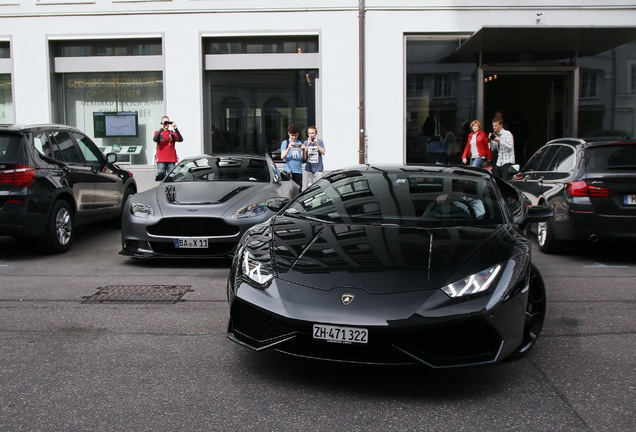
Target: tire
{"x":535,"y":313}
{"x":60,"y":229}
{"x":545,"y":238}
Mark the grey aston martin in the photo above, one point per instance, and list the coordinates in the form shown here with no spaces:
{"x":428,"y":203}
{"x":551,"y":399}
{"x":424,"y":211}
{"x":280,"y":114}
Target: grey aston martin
{"x":203,"y":207}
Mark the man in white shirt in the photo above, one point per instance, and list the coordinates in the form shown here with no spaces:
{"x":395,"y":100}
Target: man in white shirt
{"x":502,"y":141}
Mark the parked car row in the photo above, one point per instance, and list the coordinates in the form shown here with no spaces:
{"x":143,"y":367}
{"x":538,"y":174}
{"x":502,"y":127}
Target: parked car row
{"x":372,"y":264}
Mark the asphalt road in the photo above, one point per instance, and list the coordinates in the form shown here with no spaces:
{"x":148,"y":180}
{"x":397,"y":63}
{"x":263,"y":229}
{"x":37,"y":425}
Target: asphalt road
{"x":71,"y":366}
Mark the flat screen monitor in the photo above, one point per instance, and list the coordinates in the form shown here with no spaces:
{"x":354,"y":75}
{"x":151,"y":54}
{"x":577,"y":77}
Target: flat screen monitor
{"x":115,"y":124}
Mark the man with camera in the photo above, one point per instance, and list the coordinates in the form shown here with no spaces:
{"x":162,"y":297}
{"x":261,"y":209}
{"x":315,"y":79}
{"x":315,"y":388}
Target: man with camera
{"x":292,"y":152}
{"x":166,"y":154}
{"x":502,"y":141}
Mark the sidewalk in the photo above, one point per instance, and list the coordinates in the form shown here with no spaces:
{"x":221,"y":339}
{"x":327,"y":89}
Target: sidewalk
{"x":144,"y":175}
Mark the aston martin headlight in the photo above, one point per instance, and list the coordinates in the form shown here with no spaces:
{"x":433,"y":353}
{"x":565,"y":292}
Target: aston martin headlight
{"x":473,"y":284}
{"x":255,"y":270}
{"x":251,"y":210}
{"x":141,"y":210}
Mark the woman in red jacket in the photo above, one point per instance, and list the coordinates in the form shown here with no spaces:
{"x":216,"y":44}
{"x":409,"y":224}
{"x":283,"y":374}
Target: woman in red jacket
{"x":477,"y":147}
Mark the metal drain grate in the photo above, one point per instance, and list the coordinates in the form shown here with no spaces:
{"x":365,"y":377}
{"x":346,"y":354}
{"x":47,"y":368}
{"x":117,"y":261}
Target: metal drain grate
{"x":138,"y":294}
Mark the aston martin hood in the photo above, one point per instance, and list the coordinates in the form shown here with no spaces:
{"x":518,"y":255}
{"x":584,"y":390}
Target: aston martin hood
{"x":382,"y":259}
{"x":220,"y":194}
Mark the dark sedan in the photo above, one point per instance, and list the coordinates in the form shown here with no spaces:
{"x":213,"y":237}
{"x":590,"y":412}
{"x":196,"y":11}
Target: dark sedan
{"x":203,"y":207}
{"x":590,"y":185}
{"x":392,"y":265}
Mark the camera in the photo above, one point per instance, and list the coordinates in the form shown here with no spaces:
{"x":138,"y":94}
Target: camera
{"x":167,"y":123}
{"x":492,"y":136}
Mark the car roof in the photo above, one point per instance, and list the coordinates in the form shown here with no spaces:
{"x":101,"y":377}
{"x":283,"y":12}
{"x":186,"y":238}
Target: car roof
{"x":423,"y":168}
{"x":592,"y":142}
{"x":18,"y":127}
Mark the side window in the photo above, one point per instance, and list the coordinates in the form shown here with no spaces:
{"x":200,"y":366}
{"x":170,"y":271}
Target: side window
{"x":564,"y":159}
{"x":67,"y":147}
{"x":88,"y":148}
{"x":534,"y":162}
{"x":43,"y":145}
{"x":547,"y":161}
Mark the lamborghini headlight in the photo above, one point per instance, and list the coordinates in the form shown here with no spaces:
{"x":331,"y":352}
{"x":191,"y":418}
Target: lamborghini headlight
{"x":141,"y":210}
{"x":255,"y":270}
{"x":473,"y":284}
{"x":251,"y":210}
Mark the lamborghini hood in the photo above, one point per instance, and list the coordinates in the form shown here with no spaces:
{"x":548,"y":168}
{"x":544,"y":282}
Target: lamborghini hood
{"x":384,"y":259}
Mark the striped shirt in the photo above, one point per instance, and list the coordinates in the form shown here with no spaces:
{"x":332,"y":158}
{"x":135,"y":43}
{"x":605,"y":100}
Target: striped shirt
{"x":505,"y":147}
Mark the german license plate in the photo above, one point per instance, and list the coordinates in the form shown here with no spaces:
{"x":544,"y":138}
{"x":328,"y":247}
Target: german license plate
{"x":191,"y":243}
{"x":348,"y":335}
{"x":629,"y":199}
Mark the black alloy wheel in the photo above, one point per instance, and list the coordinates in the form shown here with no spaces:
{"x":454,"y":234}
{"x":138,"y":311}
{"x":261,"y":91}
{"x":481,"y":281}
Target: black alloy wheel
{"x":535,"y":313}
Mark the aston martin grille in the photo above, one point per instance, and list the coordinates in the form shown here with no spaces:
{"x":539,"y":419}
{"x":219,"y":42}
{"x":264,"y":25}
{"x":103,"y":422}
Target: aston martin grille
{"x":193,"y":227}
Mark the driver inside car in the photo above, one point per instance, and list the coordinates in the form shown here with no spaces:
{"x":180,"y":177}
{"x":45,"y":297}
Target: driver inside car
{"x":460,"y":199}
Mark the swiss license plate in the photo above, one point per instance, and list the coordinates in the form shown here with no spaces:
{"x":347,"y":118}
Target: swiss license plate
{"x":629,"y":199}
{"x":191,"y":243}
{"x":347,"y":335}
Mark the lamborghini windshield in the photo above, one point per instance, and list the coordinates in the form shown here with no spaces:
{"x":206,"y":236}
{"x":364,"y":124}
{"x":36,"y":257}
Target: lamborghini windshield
{"x":401,"y":198}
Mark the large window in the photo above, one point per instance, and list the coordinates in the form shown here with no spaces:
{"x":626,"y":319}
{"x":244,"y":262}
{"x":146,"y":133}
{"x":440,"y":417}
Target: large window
{"x":607,"y":102}
{"x":252,"y":109}
{"x":6,"y":90}
{"x":588,"y":84}
{"x":262,"y":45}
{"x":440,"y":96}
{"x":108,"y":47}
{"x":117,"y":75}
{"x":258,"y":86}
{"x":6,"y":99}
{"x":450,"y":82}
{"x":142,"y":92}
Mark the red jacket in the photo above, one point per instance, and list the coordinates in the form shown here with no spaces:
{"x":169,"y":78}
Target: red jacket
{"x":166,"y":150}
{"x":483,"y":146}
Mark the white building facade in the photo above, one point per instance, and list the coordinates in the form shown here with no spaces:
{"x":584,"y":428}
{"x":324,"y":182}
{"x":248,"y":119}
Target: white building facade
{"x":234,"y":73}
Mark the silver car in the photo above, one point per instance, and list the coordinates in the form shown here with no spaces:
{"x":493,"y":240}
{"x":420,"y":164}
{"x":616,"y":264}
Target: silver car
{"x":203,"y":207}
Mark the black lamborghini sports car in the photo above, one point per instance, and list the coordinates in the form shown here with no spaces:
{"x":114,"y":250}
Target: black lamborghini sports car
{"x":392,"y":265}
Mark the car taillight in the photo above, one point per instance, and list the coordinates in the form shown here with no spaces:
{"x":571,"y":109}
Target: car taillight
{"x":582,"y":189}
{"x":18,"y":176}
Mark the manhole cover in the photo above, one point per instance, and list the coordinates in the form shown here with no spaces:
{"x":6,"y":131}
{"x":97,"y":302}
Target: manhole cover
{"x":138,"y":294}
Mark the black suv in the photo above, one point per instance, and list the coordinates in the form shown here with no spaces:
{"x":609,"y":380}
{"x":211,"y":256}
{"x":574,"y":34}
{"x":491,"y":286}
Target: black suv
{"x":54,"y":178}
{"x":591,"y":187}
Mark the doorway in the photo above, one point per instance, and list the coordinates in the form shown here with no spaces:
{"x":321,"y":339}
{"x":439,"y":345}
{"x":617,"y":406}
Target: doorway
{"x":537,"y":107}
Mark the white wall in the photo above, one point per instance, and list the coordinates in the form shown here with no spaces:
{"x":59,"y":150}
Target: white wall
{"x":182,"y":22}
